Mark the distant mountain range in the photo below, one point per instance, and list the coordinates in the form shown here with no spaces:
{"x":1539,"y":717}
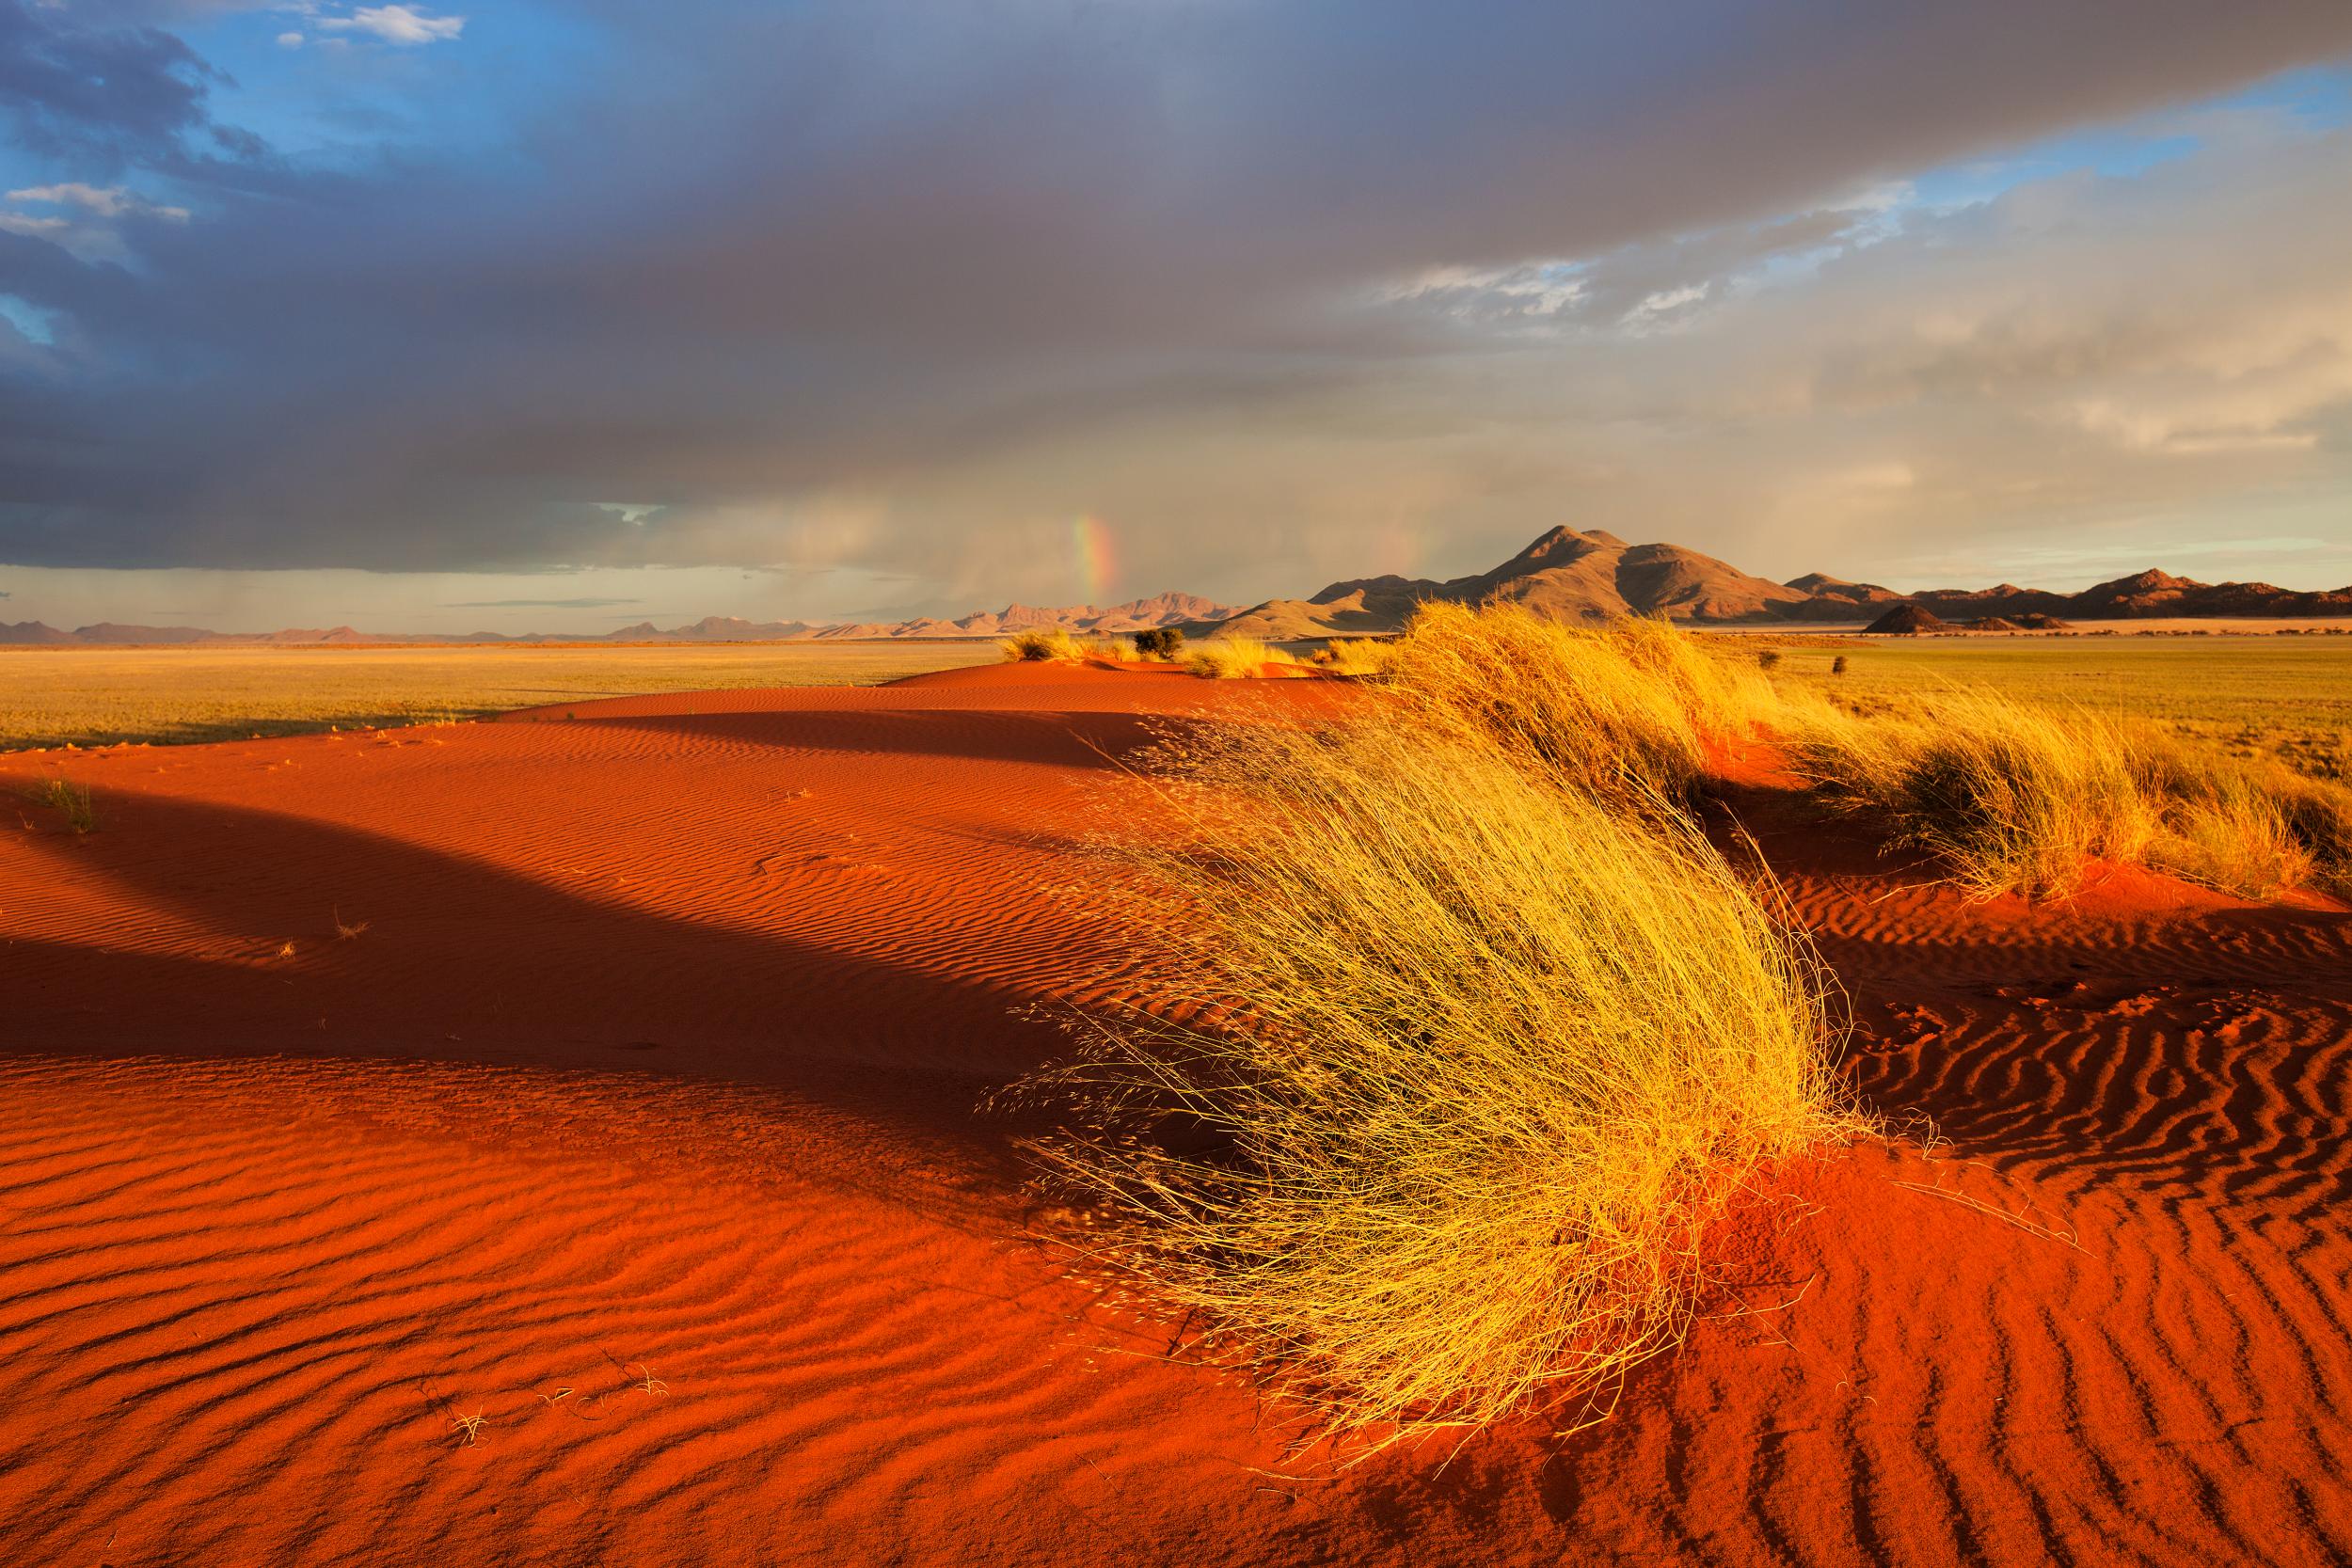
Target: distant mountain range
{"x":1163,"y":610}
{"x":1568,"y":575}
{"x":1574,"y":576}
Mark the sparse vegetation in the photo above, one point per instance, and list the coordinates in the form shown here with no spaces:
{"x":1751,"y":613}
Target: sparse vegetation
{"x":1060,"y":645}
{"x":2287,"y":699}
{"x":98,"y":696}
{"x":1160,"y":644}
{"x":1768,"y":659}
{"x":1447,"y":1073}
{"x":70,"y":801}
{"x":2009,"y":796}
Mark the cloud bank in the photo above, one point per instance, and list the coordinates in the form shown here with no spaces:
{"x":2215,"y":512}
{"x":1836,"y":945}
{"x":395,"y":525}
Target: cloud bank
{"x":1275,"y":289}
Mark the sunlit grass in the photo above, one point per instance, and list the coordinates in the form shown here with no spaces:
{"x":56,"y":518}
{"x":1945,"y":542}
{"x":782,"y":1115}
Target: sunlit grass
{"x":1227,"y":658}
{"x":1355,"y":655}
{"x":1445,"y":1070}
{"x":1630,"y":709}
{"x":1044,"y":644}
{"x":2282,"y":698}
{"x":1454,"y":1038}
{"x":2015,"y":796}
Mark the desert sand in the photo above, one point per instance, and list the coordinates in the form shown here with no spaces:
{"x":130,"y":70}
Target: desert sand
{"x":612,"y":1080}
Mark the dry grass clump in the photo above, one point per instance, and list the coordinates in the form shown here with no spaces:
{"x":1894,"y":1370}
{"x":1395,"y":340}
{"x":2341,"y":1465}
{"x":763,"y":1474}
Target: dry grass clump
{"x":2012,"y":798}
{"x":72,"y":801}
{"x":1448,"y":1072}
{"x":1628,"y":708}
{"x":1357,"y":656}
{"x":1060,"y":645}
{"x":1042,"y":644}
{"x":2018,"y":798}
{"x":2249,"y":826}
{"x":1228,"y":659}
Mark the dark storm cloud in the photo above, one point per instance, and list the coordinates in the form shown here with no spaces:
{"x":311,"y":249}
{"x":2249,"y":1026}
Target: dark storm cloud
{"x":100,"y":97}
{"x":769,"y":255}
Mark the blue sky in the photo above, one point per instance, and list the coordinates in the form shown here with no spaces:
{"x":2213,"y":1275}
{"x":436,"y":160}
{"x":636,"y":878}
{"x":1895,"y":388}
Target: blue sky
{"x":2318,"y":98}
{"x":529,"y":316}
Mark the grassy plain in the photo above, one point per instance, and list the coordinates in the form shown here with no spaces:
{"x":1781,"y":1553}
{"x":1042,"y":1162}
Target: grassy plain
{"x":2287,"y":697}
{"x":98,"y":696}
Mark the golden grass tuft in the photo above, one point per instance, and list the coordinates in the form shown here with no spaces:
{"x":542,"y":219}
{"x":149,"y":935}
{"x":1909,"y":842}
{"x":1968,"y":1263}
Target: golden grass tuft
{"x":1359,"y":656}
{"x":1042,"y":644}
{"x":1628,"y":708}
{"x":2011,"y":798}
{"x":1112,"y":650}
{"x":1447,"y":1073}
{"x":2019,"y":798}
{"x":1228,"y":659}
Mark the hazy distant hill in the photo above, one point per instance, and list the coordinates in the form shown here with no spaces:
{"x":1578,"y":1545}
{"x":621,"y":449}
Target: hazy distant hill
{"x":1161,"y":610}
{"x":33,"y":632}
{"x":2143,"y":594}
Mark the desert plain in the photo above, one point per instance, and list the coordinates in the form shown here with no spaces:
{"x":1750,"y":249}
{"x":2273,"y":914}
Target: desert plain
{"x":558,"y":1138}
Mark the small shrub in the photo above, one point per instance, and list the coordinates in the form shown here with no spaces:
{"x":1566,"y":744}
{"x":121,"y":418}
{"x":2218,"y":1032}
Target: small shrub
{"x":1837,"y":665}
{"x":1161,"y":643}
{"x":1768,"y":659}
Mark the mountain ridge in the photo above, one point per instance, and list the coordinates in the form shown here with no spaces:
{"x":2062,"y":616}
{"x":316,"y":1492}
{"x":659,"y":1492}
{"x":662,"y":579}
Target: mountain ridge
{"x":1565,"y":573}
{"x":1593,"y":575}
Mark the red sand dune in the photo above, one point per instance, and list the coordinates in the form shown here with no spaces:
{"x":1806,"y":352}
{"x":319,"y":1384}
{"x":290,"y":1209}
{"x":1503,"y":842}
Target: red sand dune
{"x":638,"y":1121}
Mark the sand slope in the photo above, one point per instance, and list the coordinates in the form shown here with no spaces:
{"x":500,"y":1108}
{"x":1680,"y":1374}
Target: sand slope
{"x":638,"y":1121}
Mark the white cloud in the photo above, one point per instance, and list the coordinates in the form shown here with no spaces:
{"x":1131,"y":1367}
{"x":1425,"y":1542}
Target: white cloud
{"x":105,"y":201}
{"x":290,"y":40}
{"x":401,"y":25}
{"x":91,"y":228}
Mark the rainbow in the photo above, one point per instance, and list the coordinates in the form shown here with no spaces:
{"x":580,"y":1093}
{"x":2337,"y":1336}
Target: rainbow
{"x":1091,"y":553}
